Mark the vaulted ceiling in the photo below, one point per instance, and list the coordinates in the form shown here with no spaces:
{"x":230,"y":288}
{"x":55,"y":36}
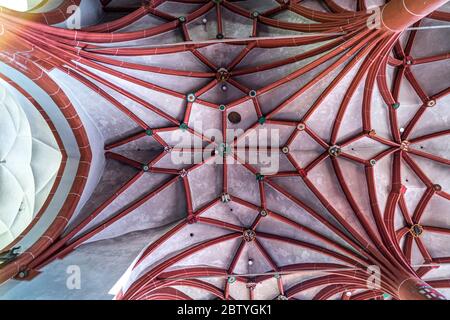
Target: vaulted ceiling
{"x":239,"y":149}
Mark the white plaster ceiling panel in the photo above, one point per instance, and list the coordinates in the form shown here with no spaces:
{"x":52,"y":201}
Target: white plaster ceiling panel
{"x":29,"y":162}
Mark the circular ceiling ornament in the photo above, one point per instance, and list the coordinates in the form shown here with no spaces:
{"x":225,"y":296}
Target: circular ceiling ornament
{"x":263,"y":213}
{"x":222,"y":75}
{"x":249,"y":235}
{"x":431,"y":103}
{"x":276,"y":191}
